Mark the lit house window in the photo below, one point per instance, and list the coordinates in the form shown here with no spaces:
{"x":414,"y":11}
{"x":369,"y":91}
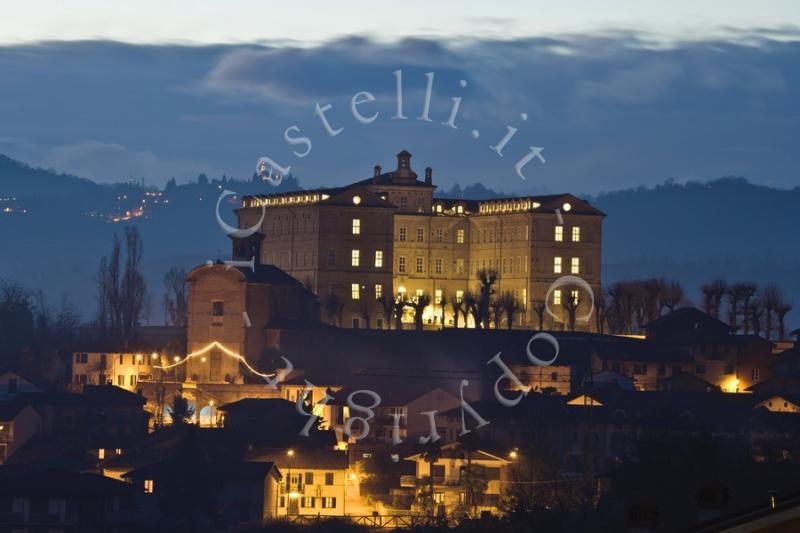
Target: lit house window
{"x":459,"y":296}
{"x":401,"y":263}
{"x":403,"y":232}
{"x":575,"y":266}
{"x":378,"y":291}
{"x":557,"y":265}
{"x":559,"y":233}
{"x":148,"y":486}
{"x":460,"y":236}
{"x":420,"y":234}
{"x":355,"y":291}
{"x":574,"y":294}
{"x":437,"y":296}
{"x":557,"y":297}
{"x":378,"y":258}
{"x":420,"y":264}
{"x":356,"y":226}
{"x":438,"y":265}
{"x":355,"y":258}
{"x":576,"y":234}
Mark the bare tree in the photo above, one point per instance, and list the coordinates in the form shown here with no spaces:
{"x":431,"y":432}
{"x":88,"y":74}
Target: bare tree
{"x":748,"y":292}
{"x":400,"y":303}
{"x":510,"y":305}
{"x":364,"y":310}
{"x":387,"y":304}
{"x":487,"y":277}
{"x":175,"y":297}
{"x":334,"y":307}
{"x":471,"y":308}
{"x":781,"y":311}
{"x":496,"y":305}
{"x":457,"y":304}
{"x":419,"y":303}
{"x":672,"y":295}
{"x":735,"y":296}
{"x":570,"y":303}
{"x":539,"y":308}
{"x":771,"y":299}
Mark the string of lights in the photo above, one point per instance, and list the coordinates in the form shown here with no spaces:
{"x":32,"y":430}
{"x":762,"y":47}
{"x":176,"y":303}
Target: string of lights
{"x":215,"y":344}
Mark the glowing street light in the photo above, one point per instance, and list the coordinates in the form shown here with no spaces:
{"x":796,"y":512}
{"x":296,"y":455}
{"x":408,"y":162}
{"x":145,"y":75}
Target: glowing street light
{"x":513,"y":454}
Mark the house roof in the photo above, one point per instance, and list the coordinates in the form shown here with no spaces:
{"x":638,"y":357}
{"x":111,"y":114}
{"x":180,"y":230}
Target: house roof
{"x":26,"y":480}
{"x":687,"y":325}
{"x":9,"y":409}
{"x":316,"y":458}
{"x":179,"y":466}
{"x":95,"y":395}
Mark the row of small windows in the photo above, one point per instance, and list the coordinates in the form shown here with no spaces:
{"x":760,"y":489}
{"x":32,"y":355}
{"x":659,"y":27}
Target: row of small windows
{"x":355,"y":258}
{"x":574,"y":267}
{"x":559,"y":234}
{"x":438,"y":235}
{"x":558,"y":297}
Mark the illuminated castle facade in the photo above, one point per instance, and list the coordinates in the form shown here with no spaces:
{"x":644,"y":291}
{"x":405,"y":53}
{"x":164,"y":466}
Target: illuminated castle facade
{"x":388,"y":235}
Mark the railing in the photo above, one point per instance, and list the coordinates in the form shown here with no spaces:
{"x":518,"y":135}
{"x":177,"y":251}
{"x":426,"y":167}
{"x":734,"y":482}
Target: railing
{"x":408,"y":481}
{"x":379,"y":521}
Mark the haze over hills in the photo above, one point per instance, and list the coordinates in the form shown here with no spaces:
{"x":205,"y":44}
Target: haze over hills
{"x":55,"y":227}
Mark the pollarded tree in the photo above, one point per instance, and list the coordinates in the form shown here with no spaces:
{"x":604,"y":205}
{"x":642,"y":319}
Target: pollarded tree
{"x":511,"y":305}
{"x":487,"y":277}
{"x":419,"y":303}
{"x":387,"y":304}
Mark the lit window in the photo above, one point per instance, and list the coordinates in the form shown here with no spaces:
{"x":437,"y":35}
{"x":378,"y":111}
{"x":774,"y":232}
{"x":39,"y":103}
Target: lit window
{"x":557,"y":265}
{"x":574,"y":295}
{"x":101,"y":453}
{"x":403,"y":232}
{"x":575,"y":267}
{"x":567,"y":207}
{"x":378,"y":291}
{"x":459,"y":296}
{"x":576,"y":234}
{"x":437,"y":296}
{"x":420,"y":264}
{"x":460,"y":265}
{"x":401,"y":263}
{"x":460,"y":236}
{"x":355,"y":258}
{"x":420,"y":234}
{"x":557,"y":297}
{"x":559,"y":233}
{"x":419,"y":292}
{"x":149,"y":486}
{"x":355,"y":291}
{"x":438,"y":265}
{"x":217,"y":308}
{"x":378,"y":258}
{"x":356,"y":226}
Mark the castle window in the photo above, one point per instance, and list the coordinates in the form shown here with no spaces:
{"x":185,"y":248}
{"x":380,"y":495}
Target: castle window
{"x":356,"y":226}
{"x":460,"y":265}
{"x":420,"y":234}
{"x":378,"y":291}
{"x":331,"y":258}
{"x":559,"y":236}
{"x":217,"y":308}
{"x":420,"y":264}
{"x":575,"y":295}
{"x":355,"y":258}
{"x":557,"y":297}
{"x":575,"y":267}
{"x":378,"y":258}
{"x":355,"y":291}
{"x":460,"y":236}
{"x":401,"y":263}
{"x":576,"y":234}
{"x":439,"y":266}
{"x":437,"y":296}
{"x":459,"y":296}
{"x":403,"y":203}
{"x":439,"y":234}
{"x":557,"y":265}
{"x":403,"y":232}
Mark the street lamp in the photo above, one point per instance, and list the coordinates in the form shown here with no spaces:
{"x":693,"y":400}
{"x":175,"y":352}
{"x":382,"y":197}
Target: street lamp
{"x":513,"y":454}
{"x":292,"y":494}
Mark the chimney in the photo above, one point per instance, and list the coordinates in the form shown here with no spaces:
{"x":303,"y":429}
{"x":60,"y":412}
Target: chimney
{"x":429,"y":176}
{"x":377,"y":173}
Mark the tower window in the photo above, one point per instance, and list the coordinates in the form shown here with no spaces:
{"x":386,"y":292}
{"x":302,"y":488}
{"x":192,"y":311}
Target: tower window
{"x":557,"y":297}
{"x":420,"y":234}
{"x":420,"y":264}
{"x":378,"y":258}
{"x":439,"y":267}
{"x":217,"y":308}
{"x":559,"y":236}
{"x":378,"y":291}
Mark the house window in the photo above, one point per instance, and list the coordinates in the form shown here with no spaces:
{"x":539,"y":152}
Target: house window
{"x":420,"y":234}
{"x":355,"y":291}
{"x":557,"y":265}
{"x":378,"y":291}
{"x":756,"y":374}
{"x":459,"y":296}
{"x":282,"y":501}
{"x":438,"y":265}
{"x":575,"y":266}
{"x":401,"y":263}
{"x":329,"y":478}
{"x":559,"y":236}
{"x":554,"y":376}
{"x":82,"y":358}
{"x":557,"y":297}
{"x":437,"y":296}
{"x":309,"y":478}
{"x":439,"y":234}
{"x":438,"y":497}
{"x":132,"y":380}
{"x":576,"y":234}
{"x":460,"y":236}
{"x":378,"y":258}
{"x":355,"y":258}
{"x":217,"y":308}
{"x":356,"y":226}
{"x":403,"y":232}
{"x":308,"y":502}
{"x":121,"y":380}
{"x":329,"y":502}
{"x":149,"y":485}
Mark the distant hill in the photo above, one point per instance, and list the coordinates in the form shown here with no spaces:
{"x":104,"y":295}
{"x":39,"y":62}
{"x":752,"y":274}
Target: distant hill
{"x":693,"y":232}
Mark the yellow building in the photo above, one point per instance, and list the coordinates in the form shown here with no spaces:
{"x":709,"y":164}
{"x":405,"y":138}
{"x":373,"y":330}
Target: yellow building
{"x":389,"y":235}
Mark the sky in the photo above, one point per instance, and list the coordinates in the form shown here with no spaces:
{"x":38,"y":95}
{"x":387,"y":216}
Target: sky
{"x":616,"y":94}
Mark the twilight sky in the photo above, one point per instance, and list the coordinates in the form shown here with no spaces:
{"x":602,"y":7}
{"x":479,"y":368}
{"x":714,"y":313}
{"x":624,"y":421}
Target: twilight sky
{"x":618,"y":93}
